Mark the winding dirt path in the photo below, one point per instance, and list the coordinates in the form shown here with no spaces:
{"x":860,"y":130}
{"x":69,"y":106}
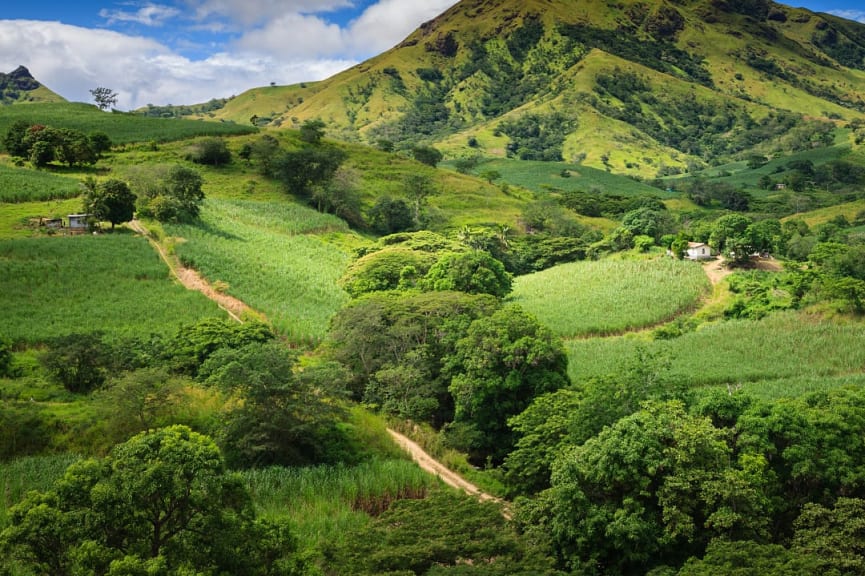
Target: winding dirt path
{"x":192,"y":280}
{"x":449,"y":477}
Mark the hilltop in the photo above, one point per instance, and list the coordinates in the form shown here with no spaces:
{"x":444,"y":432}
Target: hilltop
{"x":636,"y":87}
{"x":20,"y":86}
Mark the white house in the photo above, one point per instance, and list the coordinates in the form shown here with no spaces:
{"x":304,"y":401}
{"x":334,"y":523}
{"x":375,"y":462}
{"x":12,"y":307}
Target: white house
{"x":698,"y":251}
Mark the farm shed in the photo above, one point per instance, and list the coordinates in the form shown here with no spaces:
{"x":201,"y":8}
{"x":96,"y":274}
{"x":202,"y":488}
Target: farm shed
{"x":78,"y":222}
{"x":698,"y":251}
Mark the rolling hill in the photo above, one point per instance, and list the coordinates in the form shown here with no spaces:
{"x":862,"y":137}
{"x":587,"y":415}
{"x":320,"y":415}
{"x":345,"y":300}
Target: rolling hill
{"x":638,"y":86}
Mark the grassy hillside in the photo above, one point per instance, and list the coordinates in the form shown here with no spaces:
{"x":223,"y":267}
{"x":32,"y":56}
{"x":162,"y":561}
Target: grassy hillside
{"x":122,"y":128}
{"x":710,"y":65}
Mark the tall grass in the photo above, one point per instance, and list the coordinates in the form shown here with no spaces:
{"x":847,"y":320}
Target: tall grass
{"x":271,"y":256}
{"x":17,"y":477}
{"x":122,"y":128}
{"x":781,"y":346}
{"x":115,"y":283}
{"x":323,"y":502}
{"x":23,"y":185}
{"x":610,"y":296}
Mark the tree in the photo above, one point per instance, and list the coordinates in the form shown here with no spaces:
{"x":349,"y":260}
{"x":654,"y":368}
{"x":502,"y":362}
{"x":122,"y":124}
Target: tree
{"x":312,"y":131}
{"x":168,"y":193}
{"x":5,"y":357}
{"x":111,"y":200}
{"x":389,"y":215}
{"x":340,"y":196}
{"x":210,"y":151}
{"x":475,"y":272}
{"x":386,"y":269}
{"x":15,"y":139}
{"x":162,"y":502}
{"x":653,"y":487}
{"x":302,"y":170}
{"x":427,"y":155}
{"x":502,"y":363}
{"x":104,"y":97}
{"x":277,"y":418}
{"x":418,"y":188}
{"x":78,"y":362}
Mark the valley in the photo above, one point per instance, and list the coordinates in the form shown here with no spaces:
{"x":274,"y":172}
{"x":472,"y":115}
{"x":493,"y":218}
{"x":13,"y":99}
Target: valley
{"x":475,"y":247}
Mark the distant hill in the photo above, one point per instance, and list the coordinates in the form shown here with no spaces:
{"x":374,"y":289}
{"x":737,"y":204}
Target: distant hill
{"x":20,"y":86}
{"x":636,"y":86}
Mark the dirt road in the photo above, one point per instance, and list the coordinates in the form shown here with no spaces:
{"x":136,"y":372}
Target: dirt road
{"x":449,"y":477}
{"x":192,"y":280}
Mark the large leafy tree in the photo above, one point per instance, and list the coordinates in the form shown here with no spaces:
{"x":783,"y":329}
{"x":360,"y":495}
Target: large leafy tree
{"x":278,"y":418}
{"x":504,"y":361}
{"x":475,"y":272}
{"x":111,"y":200}
{"x":651,"y":489}
{"x":162,"y":502}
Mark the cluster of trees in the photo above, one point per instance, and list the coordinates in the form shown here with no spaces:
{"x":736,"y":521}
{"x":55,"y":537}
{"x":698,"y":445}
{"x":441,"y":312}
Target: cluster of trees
{"x":537,"y":136}
{"x":42,"y":145}
{"x":163,"y":502}
{"x":676,"y":485}
{"x":427,"y":338}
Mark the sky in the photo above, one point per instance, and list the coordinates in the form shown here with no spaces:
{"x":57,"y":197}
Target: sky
{"x":189,"y":51}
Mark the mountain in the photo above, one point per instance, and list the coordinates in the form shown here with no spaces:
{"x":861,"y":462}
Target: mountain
{"x":634,"y":86}
{"x":20,"y":86}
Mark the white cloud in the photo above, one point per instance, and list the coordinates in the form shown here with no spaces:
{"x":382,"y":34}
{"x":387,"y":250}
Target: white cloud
{"x":255,"y":12}
{"x":385,"y":24}
{"x":294,"y":35}
{"x":379,"y":28}
{"x":858,"y":15}
{"x":71,"y":60}
{"x":148,"y":15}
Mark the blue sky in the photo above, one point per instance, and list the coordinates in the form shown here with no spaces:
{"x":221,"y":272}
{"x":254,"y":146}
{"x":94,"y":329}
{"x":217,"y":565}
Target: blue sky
{"x":188,"y":51}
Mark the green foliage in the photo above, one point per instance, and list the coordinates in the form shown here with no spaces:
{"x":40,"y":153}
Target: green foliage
{"x":391,"y":268}
{"x":304,"y":169}
{"x":390,"y":215}
{"x":194,"y":343}
{"x":45,"y":144}
{"x":211,"y":151}
{"x":441,"y":534}
{"x":538,"y":137}
{"x":474,"y":272}
{"x":502,"y":363}
{"x":427,"y":155}
{"x":168,"y":193}
{"x":312,"y":131}
{"x":396,"y":345}
{"x":77,"y":362}
{"x":5,"y":357}
{"x":278,"y":419}
{"x":654,"y":487}
{"x":161,"y":501}
{"x":110,"y":200}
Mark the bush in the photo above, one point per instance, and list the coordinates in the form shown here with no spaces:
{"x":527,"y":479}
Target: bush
{"x":211,"y":151}
{"x":78,"y":362}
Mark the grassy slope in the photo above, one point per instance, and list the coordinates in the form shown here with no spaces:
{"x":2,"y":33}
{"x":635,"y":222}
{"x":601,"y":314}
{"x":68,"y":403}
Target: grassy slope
{"x":121,"y":128}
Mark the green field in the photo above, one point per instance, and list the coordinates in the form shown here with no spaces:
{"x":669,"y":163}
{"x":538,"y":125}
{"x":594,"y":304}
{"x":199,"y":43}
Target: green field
{"x":114,"y":283}
{"x":273,"y":256}
{"x":545,"y":176}
{"x":610,"y":296}
{"x":122,"y":128}
{"x":23,"y":185}
{"x":322,"y":502}
{"x":781,"y":346}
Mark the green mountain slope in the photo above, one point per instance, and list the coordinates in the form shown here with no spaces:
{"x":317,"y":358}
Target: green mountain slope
{"x":20,"y":86}
{"x":635,"y":86}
